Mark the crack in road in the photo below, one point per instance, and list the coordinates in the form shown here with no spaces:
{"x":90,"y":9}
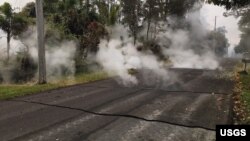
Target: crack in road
{"x":171,"y":91}
{"x":194,"y":92}
{"x":166,"y":90}
{"x":116,"y":115}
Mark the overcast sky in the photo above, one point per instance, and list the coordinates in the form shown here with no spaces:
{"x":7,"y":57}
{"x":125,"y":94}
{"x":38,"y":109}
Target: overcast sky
{"x":208,"y":13}
{"x":230,"y":23}
{"x":16,"y":3}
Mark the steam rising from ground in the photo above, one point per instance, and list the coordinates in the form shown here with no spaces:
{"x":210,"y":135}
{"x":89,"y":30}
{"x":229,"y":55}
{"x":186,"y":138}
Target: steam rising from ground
{"x":119,"y":55}
{"x":184,"y":56}
{"x":59,"y":55}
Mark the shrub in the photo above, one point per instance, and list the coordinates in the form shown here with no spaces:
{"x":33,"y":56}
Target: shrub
{"x":25,"y":68}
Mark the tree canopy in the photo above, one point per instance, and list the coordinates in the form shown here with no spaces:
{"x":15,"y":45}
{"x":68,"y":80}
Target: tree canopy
{"x":13,"y":24}
{"x":230,"y":4}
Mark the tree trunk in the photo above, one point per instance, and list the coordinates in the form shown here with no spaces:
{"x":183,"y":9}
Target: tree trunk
{"x":87,"y":6}
{"x":135,"y":37}
{"x":155,"y":30}
{"x":41,"y":47}
{"x":8,"y":47}
{"x":166,"y":8}
{"x":149,"y":24}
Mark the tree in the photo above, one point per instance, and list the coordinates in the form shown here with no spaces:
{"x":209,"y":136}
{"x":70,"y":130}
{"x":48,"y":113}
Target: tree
{"x":244,"y":24}
{"x":151,"y":12}
{"x":13,"y":24}
{"x":108,"y":12}
{"x":242,"y":9}
{"x":219,"y":42}
{"x":132,"y":12}
{"x":244,"y":45}
{"x":178,"y":8}
{"x":230,"y":4}
{"x":78,"y":20}
{"x":29,"y":10}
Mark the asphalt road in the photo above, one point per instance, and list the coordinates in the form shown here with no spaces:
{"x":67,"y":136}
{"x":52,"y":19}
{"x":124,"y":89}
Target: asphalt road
{"x":187,"y":108}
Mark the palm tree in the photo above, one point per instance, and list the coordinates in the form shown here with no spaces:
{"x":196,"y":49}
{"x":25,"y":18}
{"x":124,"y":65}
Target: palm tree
{"x":11,"y":23}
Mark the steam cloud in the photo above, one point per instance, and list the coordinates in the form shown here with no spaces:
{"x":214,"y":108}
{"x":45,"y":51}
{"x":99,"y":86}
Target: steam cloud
{"x":118,"y":55}
{"x":59,"y":56}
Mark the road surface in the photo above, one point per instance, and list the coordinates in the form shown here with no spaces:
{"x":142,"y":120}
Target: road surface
{"x":187,"y":109}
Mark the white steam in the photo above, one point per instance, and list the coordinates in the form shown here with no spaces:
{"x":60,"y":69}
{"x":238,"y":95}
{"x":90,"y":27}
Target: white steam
{"x":59,"y":55}
{"x":118,"y":55}
{"x":183,"y":56}
{"x":185,"y":48}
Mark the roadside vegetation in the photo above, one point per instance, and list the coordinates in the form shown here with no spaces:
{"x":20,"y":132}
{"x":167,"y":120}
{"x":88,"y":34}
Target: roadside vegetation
{"x":246,"y":93}
{"x":245,"y":97}
{"x":241,"y":96}
{"x":15,"y":90}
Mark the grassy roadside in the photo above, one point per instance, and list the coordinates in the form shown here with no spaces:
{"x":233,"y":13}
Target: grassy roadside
{"x":244,"y":99}
{"x":12,"y":91}
{"x":241,"y":96}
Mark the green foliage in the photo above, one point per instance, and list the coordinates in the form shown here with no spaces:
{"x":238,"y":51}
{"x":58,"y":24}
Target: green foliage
{"x":244,"y":45}
{"x":244,"y":25}
{"x":10,"y":22}
{"x":50,"y":6}
{"x":19,"y":24}
{"x":91,"y":39}
{"x":245,"y":21}
{"x":108,"y":14}
{"x":4,"y":25}
{"x":89,"y":44}
{"x":24,"y":68}
{"x":114,"y":13}
{"x":29,"y":10}
{"x":13,"y":24}
{"x":78,"y":20}
{"x":179,"y":7}
{"x":230,"y":4}
{"x":132,"y":12}
{"x":6,"y":10}
{"x":245,"y":96}
{"x":151,"y":10}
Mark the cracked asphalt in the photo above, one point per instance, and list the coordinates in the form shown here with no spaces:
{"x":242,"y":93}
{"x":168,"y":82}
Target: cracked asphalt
{"x":187,"y":108}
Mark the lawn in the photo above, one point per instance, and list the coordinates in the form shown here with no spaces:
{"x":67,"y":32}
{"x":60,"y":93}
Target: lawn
{"x":13,"y":91}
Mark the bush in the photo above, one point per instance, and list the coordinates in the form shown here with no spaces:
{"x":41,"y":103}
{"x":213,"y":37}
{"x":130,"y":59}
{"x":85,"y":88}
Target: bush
{"x":25,"y":68}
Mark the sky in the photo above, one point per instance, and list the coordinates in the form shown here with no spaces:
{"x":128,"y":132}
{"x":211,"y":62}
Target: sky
{"x":208,"y":13}
{"x":16,"y":3}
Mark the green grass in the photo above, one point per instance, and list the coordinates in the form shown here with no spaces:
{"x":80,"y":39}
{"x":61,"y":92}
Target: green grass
{"x":13,"y":91}
{"x":245,"y":96}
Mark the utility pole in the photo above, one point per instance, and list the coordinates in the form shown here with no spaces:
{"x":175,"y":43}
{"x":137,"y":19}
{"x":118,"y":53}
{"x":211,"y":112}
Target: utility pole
{"x":215,"y":23}
{"x":40,"y":41}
